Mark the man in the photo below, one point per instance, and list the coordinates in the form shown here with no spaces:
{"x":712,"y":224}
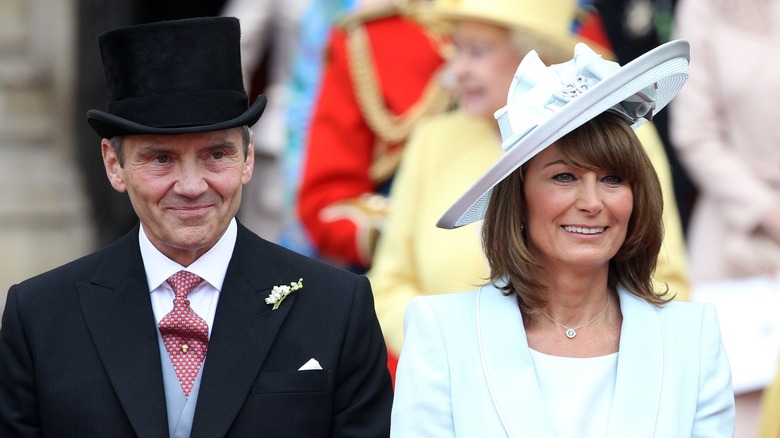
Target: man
{"x":113,"y":344}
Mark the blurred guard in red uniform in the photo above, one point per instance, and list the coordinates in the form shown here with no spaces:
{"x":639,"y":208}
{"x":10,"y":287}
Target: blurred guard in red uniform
{"x":381,"y":76}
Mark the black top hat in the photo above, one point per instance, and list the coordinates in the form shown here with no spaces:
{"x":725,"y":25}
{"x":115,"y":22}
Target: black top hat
{"x":174,"y":77}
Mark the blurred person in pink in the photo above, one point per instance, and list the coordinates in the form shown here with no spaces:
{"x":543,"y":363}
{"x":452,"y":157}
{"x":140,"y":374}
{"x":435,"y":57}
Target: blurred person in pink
{"x":723,"y":126}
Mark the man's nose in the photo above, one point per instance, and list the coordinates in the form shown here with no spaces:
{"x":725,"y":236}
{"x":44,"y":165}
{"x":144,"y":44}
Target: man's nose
{"x":190,"y":181}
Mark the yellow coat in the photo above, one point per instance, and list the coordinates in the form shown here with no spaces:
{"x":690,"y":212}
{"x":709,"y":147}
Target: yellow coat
{"x":444,"y":156}
{"x":770,"y":410}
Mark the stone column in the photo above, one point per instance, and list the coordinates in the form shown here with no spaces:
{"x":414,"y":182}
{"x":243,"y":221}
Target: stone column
{"x":43,"y":216}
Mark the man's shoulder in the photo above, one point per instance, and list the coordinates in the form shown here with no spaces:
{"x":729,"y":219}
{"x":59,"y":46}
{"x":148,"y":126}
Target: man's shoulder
{"x":79,"y":269}
{"x":369,"y":16}
{"x":112,"y":259}
{"x":58,"y":286}
{"x":254,"y":250}
{"x":326,"y":290}
{"x":399,"y":24}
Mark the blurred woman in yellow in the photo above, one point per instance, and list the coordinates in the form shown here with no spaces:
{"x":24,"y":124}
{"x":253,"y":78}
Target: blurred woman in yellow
{"x":447,"y":153}
{"x":770,"y":410}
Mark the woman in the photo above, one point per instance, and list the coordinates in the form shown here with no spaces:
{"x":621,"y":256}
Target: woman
{"x":447,"y":153}
{"x":570,"y":338}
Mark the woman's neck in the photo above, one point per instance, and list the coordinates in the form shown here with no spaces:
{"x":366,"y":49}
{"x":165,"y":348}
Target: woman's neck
{"x":580,"y":302}
{"x":571,"y":294}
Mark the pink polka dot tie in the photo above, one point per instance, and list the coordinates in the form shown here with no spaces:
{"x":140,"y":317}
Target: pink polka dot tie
{"x":185,"y":334}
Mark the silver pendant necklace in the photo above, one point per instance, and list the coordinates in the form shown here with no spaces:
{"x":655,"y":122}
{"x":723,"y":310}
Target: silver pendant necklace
{"x":571,"y":332}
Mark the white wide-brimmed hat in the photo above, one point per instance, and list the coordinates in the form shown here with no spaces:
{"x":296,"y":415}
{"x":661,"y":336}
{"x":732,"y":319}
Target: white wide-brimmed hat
{"x":545,"y":103}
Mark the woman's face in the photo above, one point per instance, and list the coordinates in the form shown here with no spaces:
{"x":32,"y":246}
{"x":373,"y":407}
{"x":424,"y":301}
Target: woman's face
{"x":483,"y":66}
{"x":576,"y":218}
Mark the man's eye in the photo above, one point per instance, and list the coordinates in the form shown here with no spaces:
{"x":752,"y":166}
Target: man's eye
{"x":218,"y":155}
{"x":161,"y":159}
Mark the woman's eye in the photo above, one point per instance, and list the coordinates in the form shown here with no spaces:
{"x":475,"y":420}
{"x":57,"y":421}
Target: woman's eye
{"x":613,"y":180}
{"x":564,"y":177}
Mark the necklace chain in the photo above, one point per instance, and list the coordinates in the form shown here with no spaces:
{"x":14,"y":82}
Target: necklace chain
{"x":571,"y":332}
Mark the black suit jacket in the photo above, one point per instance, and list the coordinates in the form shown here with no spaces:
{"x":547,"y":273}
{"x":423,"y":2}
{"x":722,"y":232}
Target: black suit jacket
{"x":79,"y":354}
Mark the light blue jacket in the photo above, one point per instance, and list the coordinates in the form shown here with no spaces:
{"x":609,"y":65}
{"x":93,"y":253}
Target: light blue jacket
{"x":466,"y":370}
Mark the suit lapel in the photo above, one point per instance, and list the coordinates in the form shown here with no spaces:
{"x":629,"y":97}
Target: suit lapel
{"x":244,"y":329}
{"x":118,"y":312}
{"x":640,"y":360}
{"x":510,"y":372}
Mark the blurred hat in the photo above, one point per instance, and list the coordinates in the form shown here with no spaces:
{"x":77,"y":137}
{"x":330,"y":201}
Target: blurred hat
{"x":174,"y":77}
{"x":545,"y":103}
{"x":545,"y":24}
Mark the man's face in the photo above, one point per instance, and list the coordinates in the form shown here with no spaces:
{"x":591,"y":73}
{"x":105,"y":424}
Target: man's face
{"x":185,"y":188}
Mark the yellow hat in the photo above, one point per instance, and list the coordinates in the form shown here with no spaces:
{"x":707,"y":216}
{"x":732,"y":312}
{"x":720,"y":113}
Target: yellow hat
{"x":547,"y":24}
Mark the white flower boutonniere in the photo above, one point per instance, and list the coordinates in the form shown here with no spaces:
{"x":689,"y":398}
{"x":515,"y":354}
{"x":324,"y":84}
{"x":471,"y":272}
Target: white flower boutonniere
{"x":279,"y":293}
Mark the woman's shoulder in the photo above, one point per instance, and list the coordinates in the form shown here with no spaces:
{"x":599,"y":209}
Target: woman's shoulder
{"x":696,"y":321}
{"x":674,"y":314}
{"x":684,"y":309}
{"x":464,"y":302}
{"x":445,"y":300}
{"x":449,"y":136}
{"x":447,"y":122}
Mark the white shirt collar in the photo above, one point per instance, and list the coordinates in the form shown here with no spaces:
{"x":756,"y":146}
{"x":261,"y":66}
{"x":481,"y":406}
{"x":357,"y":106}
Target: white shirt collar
{"x":211,"y":266}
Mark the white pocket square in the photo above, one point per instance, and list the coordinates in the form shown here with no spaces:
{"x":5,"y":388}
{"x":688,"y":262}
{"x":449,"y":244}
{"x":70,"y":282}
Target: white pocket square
{"x":312,"y":364}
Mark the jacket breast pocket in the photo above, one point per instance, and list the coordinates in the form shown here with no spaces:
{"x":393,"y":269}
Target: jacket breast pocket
{"x":279,"y":382}
{"x":291,"y":404}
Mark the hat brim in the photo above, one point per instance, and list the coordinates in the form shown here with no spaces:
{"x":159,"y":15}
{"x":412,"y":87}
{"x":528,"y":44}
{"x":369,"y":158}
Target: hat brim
{"x":107,"y":125}
{"x":666,"y":66}
{"x":553,"y":47}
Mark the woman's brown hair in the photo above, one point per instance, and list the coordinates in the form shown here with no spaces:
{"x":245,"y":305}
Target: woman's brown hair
{"x":605,"y":143}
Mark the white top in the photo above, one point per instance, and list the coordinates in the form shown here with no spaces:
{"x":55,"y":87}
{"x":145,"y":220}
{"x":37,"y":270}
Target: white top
{"x":577,"y":392}
{"x":211,"y":267}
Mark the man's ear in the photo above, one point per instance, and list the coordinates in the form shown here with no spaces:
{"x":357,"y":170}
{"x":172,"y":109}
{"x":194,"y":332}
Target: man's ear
{"x":249,"y":164}
{"x":113,"y":168}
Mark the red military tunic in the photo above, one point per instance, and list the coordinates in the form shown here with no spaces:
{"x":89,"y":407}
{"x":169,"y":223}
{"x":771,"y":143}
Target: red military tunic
{"x":379,"y":78}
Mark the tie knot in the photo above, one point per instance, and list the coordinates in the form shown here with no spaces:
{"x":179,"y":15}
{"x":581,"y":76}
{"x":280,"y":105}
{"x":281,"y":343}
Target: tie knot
{"x":183,"y":283}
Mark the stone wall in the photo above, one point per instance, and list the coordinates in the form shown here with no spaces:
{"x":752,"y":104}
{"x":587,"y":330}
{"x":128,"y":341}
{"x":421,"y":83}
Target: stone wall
{"x":43,"y":212}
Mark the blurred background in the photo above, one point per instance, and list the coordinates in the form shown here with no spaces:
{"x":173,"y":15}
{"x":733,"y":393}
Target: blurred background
{"x":44,"y":215}
{"x":56,"y":203}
